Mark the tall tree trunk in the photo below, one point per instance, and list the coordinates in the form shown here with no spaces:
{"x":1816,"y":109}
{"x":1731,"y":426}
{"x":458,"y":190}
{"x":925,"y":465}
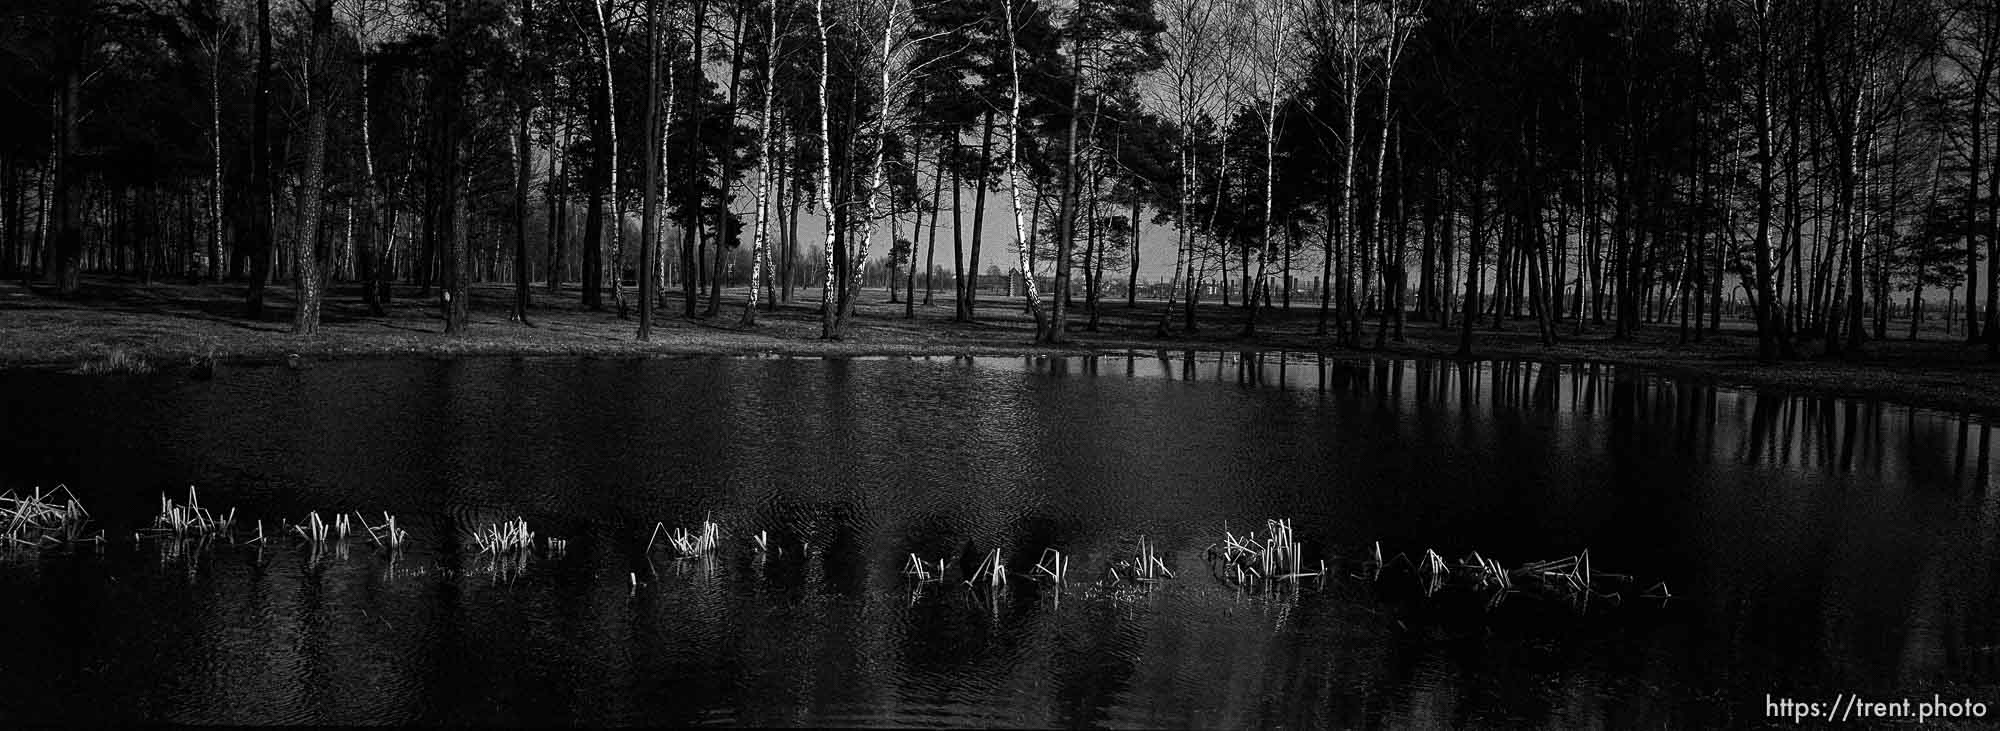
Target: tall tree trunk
{"x":1132,"y":280}
{"x":649,"y":212}
{"x":937,"y":197}
{"x":208,"y":264}
{"x":1251,"y":288}
{"x":1475,"y":253}
{"x":552,"y":192}
{"x":262,"y":170}
{"x":1326,"y":255}
{"x":691,"y":244}
{"x":69,"y":199}
{"x":792,"y":209}
{"x":375,"y":275}
{"x":1093,"y":252}
{"x":593,"y":243}
{"x":10,"y":211}
{"x":829,"y":298}
{"x":725,"y":180}
{"x":1349,"y":226}
{"x":1992,"y":330}
{"x":971,"y":288}
{"x":1974,"y":163}
{"x":616,"y":270}
{"x":524,"y":177}
{"x":890,"y":103}
{"x":305,"y":240}
{"x":957,"y":245}
{"x":1183,"y":232}
{"x":1066,"y":206}
{"x":453,"y":188}
{"x":1021,"y":246}
{"x":760,"y":262}
{"x":1767,"y":331}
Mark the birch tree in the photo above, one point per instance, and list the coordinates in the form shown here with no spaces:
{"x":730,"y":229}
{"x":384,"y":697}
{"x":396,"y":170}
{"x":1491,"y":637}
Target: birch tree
{"x":1268,"y":42}
{"x":895,"y":68}
{"x":1042,"y":326}
{"x":1189,"y":85}
{"x":650,"y":210}
{"x":615,"y":268}
{"x":760,"y":265}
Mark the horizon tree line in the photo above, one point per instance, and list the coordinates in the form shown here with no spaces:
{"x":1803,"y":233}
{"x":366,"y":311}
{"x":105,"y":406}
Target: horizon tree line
{"x":1563,"y":164}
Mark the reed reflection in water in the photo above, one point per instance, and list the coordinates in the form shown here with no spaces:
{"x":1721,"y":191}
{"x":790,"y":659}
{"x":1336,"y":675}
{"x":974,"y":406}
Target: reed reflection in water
{"x":1815,"y":544}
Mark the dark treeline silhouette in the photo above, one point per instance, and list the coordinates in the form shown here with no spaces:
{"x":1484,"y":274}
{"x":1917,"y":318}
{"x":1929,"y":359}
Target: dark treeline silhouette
{"x":1570,"y":166}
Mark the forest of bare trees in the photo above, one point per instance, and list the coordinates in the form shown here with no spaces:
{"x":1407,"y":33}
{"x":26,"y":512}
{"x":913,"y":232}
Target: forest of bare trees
{"x":1567,"y":166}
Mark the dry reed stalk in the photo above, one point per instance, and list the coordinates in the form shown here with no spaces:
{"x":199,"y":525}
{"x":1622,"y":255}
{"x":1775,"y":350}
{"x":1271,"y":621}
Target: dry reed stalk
{"x":992,"y":569}
{"x":688,"y":545}
{"x":1054,"y":564}
{"x":510,"y":536}
{"x":48,"y":518}
{"x":1149,"y":566}
{"x":923,"y":572}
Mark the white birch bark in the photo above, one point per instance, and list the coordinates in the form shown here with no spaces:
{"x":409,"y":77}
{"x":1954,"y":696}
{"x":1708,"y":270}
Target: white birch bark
{"x":1014,"y":172}
{"x":829,"y":299}
{"x":616,"y":263}
{"x":761,"y":250}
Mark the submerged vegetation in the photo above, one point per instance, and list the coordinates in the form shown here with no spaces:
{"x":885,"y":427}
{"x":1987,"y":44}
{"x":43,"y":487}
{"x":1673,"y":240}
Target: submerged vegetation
{"x":38,"y":519}
{"x":118,"y":362}
{"x":688,"y":544}
{"x":505,"y":537}
{"x":1272,"y":562}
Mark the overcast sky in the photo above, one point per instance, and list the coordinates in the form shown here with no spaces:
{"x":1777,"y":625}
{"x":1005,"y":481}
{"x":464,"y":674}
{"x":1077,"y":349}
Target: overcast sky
{"x":1156,"y":243}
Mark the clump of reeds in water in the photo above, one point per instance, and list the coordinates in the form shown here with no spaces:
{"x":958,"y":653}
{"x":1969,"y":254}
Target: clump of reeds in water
{"x":318,"y":531}
{"x":688,"y":544}
{"x":46,"y":519}
{"x":1277,"y":556}
{"x":191,"y":520}
{"x":1570,"y":578}
{"x":1146,"y":566}
{"x":1434,"y":574}
{"x":991,"y":570}
{"x":505,"y":537}
{"x":1054,"y":565}
{"x":924,"y":572}
{"x":387,"y":535}
{"x":556,"y":547}
{"x":117,"y":362}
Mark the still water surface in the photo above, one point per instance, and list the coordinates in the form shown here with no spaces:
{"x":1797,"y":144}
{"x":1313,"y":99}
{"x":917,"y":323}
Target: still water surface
{"x":1814,"y":545}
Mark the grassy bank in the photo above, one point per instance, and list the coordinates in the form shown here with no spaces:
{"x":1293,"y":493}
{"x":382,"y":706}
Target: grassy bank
{"x":115,"y":326}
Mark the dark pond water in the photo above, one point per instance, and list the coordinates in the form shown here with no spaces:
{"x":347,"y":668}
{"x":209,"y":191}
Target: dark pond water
{"x":1815,"y":546}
